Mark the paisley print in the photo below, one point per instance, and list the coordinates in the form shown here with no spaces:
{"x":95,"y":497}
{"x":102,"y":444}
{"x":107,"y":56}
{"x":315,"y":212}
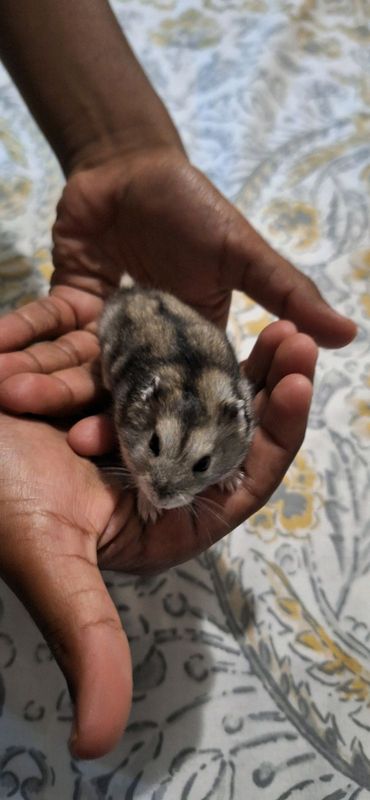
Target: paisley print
{"x":252,"y":662}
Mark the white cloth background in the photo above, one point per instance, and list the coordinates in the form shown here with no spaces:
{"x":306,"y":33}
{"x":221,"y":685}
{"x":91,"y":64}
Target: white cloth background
{"x":251,"y":663}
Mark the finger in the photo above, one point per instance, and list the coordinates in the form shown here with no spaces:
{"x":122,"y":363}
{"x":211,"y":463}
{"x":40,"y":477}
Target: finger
{"x":70,"y":350}
{"x":278,"y":438}
{"x":93,"y":436}
{"x":215,"y":513}
{"x":257,"y":365}
{"x":81,"y":624}
{"x":252,"y":266}
{"x":64,"y":310}
{"x":61,"y":393}
{"x":44,"y":318}
{"x":296,"y":354}
{"x":276,"y":441}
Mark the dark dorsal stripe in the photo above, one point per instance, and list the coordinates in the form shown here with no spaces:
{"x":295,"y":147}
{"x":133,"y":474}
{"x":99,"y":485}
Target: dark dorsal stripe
{"x":192,"y":362}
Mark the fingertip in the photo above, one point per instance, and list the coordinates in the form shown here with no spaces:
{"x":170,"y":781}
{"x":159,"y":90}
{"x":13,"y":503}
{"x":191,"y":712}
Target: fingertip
{"x":286,"y":413}
{"x":92,"y":436}
{"x":329,"y":328}
{"x":293,"y":392}
{"x":349,"y":331}
{"x":23,"y":394}
{"x":105,"y":695}
{"x":297,"y":354}
{"x":56,"y":394}
{"x":278,"y":329}
{"x":258,"y":363}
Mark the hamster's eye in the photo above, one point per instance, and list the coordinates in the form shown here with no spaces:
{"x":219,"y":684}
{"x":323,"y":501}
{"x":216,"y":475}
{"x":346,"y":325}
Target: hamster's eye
{"x":202,"y":465}
{"x":155,"y":444}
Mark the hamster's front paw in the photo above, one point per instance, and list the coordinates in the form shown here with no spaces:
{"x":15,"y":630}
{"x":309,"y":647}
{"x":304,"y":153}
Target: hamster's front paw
{"x":146,"y":510}
{"x":232,"y":482}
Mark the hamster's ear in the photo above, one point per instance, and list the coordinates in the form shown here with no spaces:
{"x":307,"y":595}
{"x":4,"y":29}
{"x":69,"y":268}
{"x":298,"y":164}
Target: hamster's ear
{"x":152,"y":389}
{"x":231,"y":409}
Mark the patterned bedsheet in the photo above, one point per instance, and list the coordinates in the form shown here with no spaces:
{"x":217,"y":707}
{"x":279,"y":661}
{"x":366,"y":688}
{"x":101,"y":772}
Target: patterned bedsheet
{"x":252,"y":662}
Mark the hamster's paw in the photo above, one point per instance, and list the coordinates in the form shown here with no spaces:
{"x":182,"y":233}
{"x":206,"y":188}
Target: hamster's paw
{"x":146,"y":510}
{"x":232,"y":482}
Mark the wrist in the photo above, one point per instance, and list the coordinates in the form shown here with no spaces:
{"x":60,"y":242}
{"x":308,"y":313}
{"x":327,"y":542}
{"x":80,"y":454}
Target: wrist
{"x":81,"y":81}
{"x":118,"y":147}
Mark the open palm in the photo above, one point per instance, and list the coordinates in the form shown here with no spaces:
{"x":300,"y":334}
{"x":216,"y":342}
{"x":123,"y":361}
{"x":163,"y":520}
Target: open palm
{"x":63,"y":523}
{"x":160,"y":219}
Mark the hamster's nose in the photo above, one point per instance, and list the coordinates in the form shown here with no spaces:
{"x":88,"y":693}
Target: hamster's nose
{"x":163,"y":489}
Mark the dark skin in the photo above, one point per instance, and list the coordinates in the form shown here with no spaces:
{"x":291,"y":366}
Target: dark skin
{"x":132,"y":201}
{"x":157,"y":217}
{"x":63,"y":523}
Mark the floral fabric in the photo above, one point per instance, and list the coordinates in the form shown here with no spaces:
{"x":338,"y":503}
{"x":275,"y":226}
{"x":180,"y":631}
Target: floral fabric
{"x":251,"y":663}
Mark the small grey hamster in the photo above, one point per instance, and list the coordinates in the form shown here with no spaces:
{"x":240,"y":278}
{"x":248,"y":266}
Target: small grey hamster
{"x":182,"y":411}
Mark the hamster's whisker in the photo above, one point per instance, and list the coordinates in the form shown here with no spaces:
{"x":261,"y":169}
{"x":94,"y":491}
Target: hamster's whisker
{"x":193,"y":511}
{"x":211,"y":506}
{"x":204,"y":503}
{"x":209,"y":501}
{"x":208,"y":532}
{"x":114,"y":475}
{"x":116,"y":469}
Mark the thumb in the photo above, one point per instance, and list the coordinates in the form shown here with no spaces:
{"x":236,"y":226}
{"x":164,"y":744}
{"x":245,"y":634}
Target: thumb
{"x":253,"y":267}
{"x":66,"y":595}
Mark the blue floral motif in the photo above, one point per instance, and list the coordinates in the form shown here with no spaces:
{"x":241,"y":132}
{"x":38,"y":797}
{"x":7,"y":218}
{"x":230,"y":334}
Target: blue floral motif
{"x":252,"y":662}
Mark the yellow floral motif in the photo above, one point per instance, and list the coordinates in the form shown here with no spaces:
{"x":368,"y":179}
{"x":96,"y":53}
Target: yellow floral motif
{"x":263,"y":523}
{"x":303,"y":10}
{"x":241,"y":302}
{"x":11,"y":144}
{"x":323,"y":155}
{"x":190,"y":29}
{"x":361,"y":264}
{"x":292,"y":511}
{"x":247,"y":319}
{"x":364,"y":84}
{"x":15,"y":268}
{"x":14,"y":195}
{"x":329,"y":657}
{"x":307,"y":38}
{"x":10,"y":293}
{"x":254,"y":327}
{"x":316,"y":159}
{"x":166,"y":5}
{"x":361,"y":272}
{"x":362,"y":127}
{"x":365,"y":175}
{"x":295,"y":222}
{"x":365,"y":300}
{"x":44,"y":263}
{"x":253,"y":6}
{"x":361,"y":404}
{"x":363,"y":407}
{"x":310,"y":637}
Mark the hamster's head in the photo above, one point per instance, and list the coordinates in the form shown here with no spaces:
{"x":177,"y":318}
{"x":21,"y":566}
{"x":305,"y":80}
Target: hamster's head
{"x":178,"y":442}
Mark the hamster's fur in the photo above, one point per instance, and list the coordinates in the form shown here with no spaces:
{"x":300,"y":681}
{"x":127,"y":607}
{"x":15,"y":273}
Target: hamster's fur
{"x":182,"y":411}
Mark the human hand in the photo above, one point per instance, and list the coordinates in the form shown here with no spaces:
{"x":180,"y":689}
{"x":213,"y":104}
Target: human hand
{"x":63,"y":522}
{"x":157,"y":217}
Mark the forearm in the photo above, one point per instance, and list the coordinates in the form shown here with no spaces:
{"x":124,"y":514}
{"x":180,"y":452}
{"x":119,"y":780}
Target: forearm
{"x":81,"y":80}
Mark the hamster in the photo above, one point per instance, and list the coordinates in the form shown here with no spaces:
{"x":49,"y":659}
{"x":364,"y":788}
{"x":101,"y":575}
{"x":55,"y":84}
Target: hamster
{"x":182,"y":410}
